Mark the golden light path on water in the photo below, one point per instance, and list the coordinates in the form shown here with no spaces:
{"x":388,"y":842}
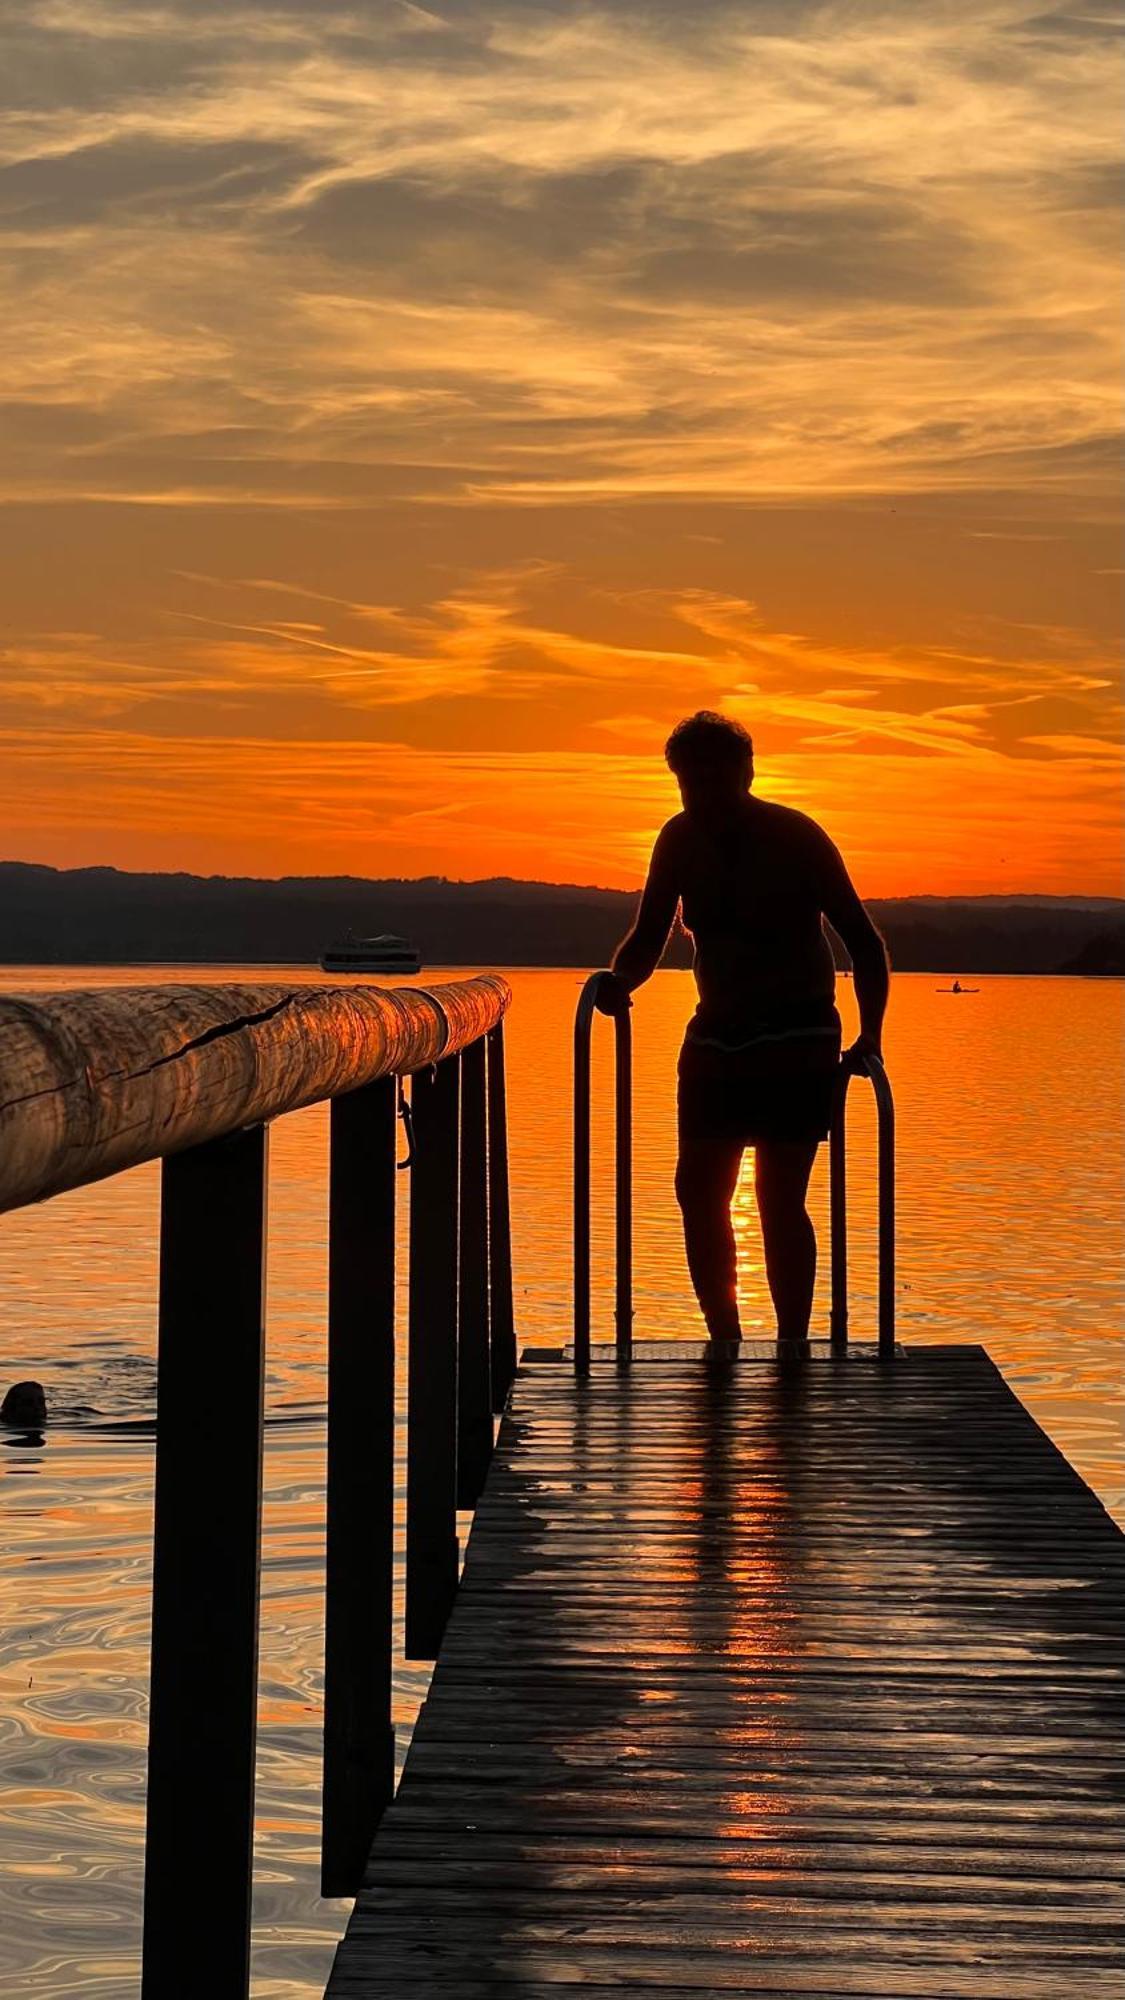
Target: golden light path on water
{"x":1010,"y":1157}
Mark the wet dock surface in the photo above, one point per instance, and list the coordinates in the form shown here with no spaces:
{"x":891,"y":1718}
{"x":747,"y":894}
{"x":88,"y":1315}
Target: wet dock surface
{"x":766,"y":1683}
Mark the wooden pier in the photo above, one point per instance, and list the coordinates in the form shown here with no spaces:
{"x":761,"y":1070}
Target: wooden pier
{"x":765,"y":1683}
{"x":762,"y":1681}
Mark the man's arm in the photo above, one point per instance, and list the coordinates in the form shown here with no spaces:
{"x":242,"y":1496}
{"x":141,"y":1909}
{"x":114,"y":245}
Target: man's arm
{"x":640,"y":952}
{"x":870,"y":965}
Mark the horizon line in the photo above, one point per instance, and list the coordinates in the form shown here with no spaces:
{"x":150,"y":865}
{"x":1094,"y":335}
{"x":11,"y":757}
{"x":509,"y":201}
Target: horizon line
{"x":538,"y":882}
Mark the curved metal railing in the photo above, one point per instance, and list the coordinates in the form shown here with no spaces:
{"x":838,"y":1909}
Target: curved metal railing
{"x":623,"y":1179}
{"x":868,"y":1066}
{"x":871,"y":1067}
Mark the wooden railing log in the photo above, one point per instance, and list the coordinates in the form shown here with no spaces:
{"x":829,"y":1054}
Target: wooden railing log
{"x":98,"y":1080}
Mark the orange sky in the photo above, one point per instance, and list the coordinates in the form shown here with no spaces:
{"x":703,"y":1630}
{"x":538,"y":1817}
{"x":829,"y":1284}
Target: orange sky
{"x":412,"y":412}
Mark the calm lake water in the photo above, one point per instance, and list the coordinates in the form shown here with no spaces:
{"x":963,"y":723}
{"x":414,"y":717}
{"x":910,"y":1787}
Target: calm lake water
{"x":1009,"y":1168}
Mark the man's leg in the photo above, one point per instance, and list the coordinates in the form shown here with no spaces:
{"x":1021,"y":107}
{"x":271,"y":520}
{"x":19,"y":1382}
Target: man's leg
{"x":781,"y":1180}
{"x":706,"y":1178}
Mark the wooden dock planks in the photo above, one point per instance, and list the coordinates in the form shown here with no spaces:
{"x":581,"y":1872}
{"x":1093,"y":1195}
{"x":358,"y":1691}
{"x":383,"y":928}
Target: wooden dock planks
{"x":765,"y":1684}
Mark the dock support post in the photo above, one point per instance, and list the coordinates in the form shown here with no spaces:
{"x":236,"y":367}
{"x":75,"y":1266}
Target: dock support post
{"x":359,"y":1575}
{"x":500,"y":1304}
{"x":431,"y":1468}
{"x":204,"y":1679}
{"x":474,"y":1379}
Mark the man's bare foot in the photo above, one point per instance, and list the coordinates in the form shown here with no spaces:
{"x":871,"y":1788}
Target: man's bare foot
{"x":720,"y":1353}
{"x":792,"y":1353}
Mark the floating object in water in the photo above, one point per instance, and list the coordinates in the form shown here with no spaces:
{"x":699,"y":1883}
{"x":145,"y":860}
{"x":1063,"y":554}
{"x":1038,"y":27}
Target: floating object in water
{"x":957,"y":988}
{"x":24,"y":1405}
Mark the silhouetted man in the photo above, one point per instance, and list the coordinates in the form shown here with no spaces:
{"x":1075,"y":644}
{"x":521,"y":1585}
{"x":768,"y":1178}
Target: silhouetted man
{"x":761,"y":1054}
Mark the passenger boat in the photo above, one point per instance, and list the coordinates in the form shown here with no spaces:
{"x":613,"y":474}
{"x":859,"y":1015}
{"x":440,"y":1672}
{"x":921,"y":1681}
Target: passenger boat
{"x":385,"y":953}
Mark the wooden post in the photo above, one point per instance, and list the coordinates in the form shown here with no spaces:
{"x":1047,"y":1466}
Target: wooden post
{"x":500,"y":1312}
{"x":200,"y":1835}
{"x":474,"y":1383}
{"x":358,"y":1733}
{"x":431,"y":1450}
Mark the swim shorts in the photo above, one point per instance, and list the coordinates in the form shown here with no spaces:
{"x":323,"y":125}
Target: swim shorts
{"x":771,"y":1089}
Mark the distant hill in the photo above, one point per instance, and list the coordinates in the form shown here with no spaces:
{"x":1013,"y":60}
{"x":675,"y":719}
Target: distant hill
{"x":1102,"y":957}
{"x":102,"y":916}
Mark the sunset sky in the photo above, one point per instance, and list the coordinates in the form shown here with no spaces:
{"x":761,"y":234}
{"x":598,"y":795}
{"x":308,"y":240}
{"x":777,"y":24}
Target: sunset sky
{"x":411,"y":411}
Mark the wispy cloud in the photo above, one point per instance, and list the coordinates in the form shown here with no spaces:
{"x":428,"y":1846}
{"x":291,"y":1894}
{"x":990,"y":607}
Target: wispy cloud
{"x":527,"y":252}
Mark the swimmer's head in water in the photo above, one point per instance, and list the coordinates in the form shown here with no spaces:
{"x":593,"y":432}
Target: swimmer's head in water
{"x":25,"y":1404}
{"x":712,"y":756}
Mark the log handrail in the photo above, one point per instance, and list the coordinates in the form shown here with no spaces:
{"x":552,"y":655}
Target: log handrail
{"x":100,"y":1079}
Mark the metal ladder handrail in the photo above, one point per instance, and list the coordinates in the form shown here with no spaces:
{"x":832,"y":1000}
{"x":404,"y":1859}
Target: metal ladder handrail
{"x":623,"y":1178}
{"x":871,"y":1067}
{"x":863,"y":1065}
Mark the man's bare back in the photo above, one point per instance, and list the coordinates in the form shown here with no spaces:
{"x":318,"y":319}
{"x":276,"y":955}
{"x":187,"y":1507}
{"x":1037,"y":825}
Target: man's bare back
{"x":752,"y":890}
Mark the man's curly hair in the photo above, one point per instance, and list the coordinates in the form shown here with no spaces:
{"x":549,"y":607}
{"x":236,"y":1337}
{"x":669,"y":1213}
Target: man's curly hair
{"x":707,"y":738}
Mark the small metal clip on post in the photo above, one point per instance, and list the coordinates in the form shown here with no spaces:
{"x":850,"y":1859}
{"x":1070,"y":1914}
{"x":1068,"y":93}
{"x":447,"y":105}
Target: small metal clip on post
{"x":623,"y":1105}
{"x":407,"y":1116}
{"x":869,"y":1066}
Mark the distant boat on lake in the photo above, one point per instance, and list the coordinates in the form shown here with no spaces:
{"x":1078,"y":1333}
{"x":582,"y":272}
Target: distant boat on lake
{"x":385,"y":953}
{"x":957,"y":988}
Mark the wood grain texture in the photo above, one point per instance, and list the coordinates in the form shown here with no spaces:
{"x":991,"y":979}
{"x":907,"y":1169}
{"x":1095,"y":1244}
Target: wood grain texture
{"x":765,"y":1684}
{"x":95,"y":1081}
